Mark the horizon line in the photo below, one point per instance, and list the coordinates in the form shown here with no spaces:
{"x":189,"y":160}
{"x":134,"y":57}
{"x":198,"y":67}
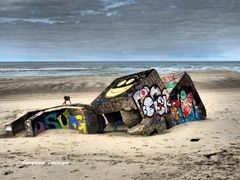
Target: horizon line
{"x":38,"y":61}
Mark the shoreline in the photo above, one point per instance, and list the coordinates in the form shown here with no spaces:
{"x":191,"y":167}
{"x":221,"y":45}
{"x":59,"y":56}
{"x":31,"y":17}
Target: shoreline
{"x":124,"y":74}
{"x":43,"y":86}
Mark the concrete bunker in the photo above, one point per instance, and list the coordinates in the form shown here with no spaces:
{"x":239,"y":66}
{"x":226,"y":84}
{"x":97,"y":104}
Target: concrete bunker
{"x":144,"y":103}
{"x":122,"y":104}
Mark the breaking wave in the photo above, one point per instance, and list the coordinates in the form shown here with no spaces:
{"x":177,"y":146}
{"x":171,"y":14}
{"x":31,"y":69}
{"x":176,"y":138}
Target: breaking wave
{"x":108,"y":68}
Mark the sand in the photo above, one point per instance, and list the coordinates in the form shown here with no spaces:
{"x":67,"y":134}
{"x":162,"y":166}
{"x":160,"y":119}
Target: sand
{"x":66,"y":154}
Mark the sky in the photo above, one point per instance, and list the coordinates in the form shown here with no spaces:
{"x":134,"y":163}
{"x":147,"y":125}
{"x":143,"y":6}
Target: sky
{"x":102,"y":30}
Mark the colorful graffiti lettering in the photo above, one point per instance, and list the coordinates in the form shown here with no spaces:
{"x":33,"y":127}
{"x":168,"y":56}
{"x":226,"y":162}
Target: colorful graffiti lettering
{"x":77,"y":121}
{"x":66,"y":118}
{"x":51,"y":121}
{"x":82,"y":125}
{"x":63,"y":120}
{"x":152,"y":101}
{"x":169,"y":80}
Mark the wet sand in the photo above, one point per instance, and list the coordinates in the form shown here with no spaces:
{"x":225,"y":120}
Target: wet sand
{"x":215,"y":153}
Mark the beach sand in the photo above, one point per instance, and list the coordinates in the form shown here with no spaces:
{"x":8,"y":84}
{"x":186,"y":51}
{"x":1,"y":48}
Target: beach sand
{"x":171,"y":155}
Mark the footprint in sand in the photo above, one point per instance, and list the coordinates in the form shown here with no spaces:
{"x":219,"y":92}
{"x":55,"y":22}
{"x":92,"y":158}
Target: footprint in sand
{"x":73,"y":171}
{"x":22,"y":166}
{"x":93,"y":167}
{"x":153,"y":147}
{"x":142,"y":166}
{"x":112,"y":163}
{"x":11,"y":157}
{"x":7,"y":172}
{"x":139,"y":155}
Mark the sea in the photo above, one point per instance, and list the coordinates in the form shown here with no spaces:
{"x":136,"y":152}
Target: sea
{"x":107,"y":68}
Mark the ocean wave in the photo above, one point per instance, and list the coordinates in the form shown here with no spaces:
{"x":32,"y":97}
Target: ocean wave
{"x":165,"y":70}
{"x":110,"y":68}
{"x":128,"y":69}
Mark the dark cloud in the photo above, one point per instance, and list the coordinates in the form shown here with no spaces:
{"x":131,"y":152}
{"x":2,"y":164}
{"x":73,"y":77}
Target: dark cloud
{"x":168,"y":28}
{"x":43,"y":8}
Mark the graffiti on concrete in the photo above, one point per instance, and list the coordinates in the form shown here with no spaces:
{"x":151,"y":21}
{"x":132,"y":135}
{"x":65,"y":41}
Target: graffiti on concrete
{"x":184,"y":109}
{"x":122,"y":86}
{"x":65,"y":118}
{"x":73,"y":119}
{"x":138,"y":100}
{"x":169,"y":80}
{"x":152,"y":101}
{"x":142,"y":102}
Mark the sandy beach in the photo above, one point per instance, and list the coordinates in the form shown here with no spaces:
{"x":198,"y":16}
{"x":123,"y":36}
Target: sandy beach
{"x":66,"y":154}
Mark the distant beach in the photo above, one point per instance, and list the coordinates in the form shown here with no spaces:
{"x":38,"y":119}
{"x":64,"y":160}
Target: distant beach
{"x":109,"y":68}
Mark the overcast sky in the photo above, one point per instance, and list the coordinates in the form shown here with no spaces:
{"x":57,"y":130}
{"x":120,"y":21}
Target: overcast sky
{"x":38,"y":30}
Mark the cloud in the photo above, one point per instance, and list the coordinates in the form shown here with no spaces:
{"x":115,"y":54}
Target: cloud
{"x":29,"y":20}
{"x":42,"y":8}
{"x":51,"y":8}
{"x":176,"y":28}
{"x":112,"y":4}
{"x":34,"y":2}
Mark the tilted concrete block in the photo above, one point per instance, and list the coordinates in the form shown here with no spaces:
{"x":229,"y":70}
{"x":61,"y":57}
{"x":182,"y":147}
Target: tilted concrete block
{"x":186,"y":104}
{"x":76,"y":116}
{"x":79,"y":117}
{"x":136,"y":99}
{"x":18,"y":125}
